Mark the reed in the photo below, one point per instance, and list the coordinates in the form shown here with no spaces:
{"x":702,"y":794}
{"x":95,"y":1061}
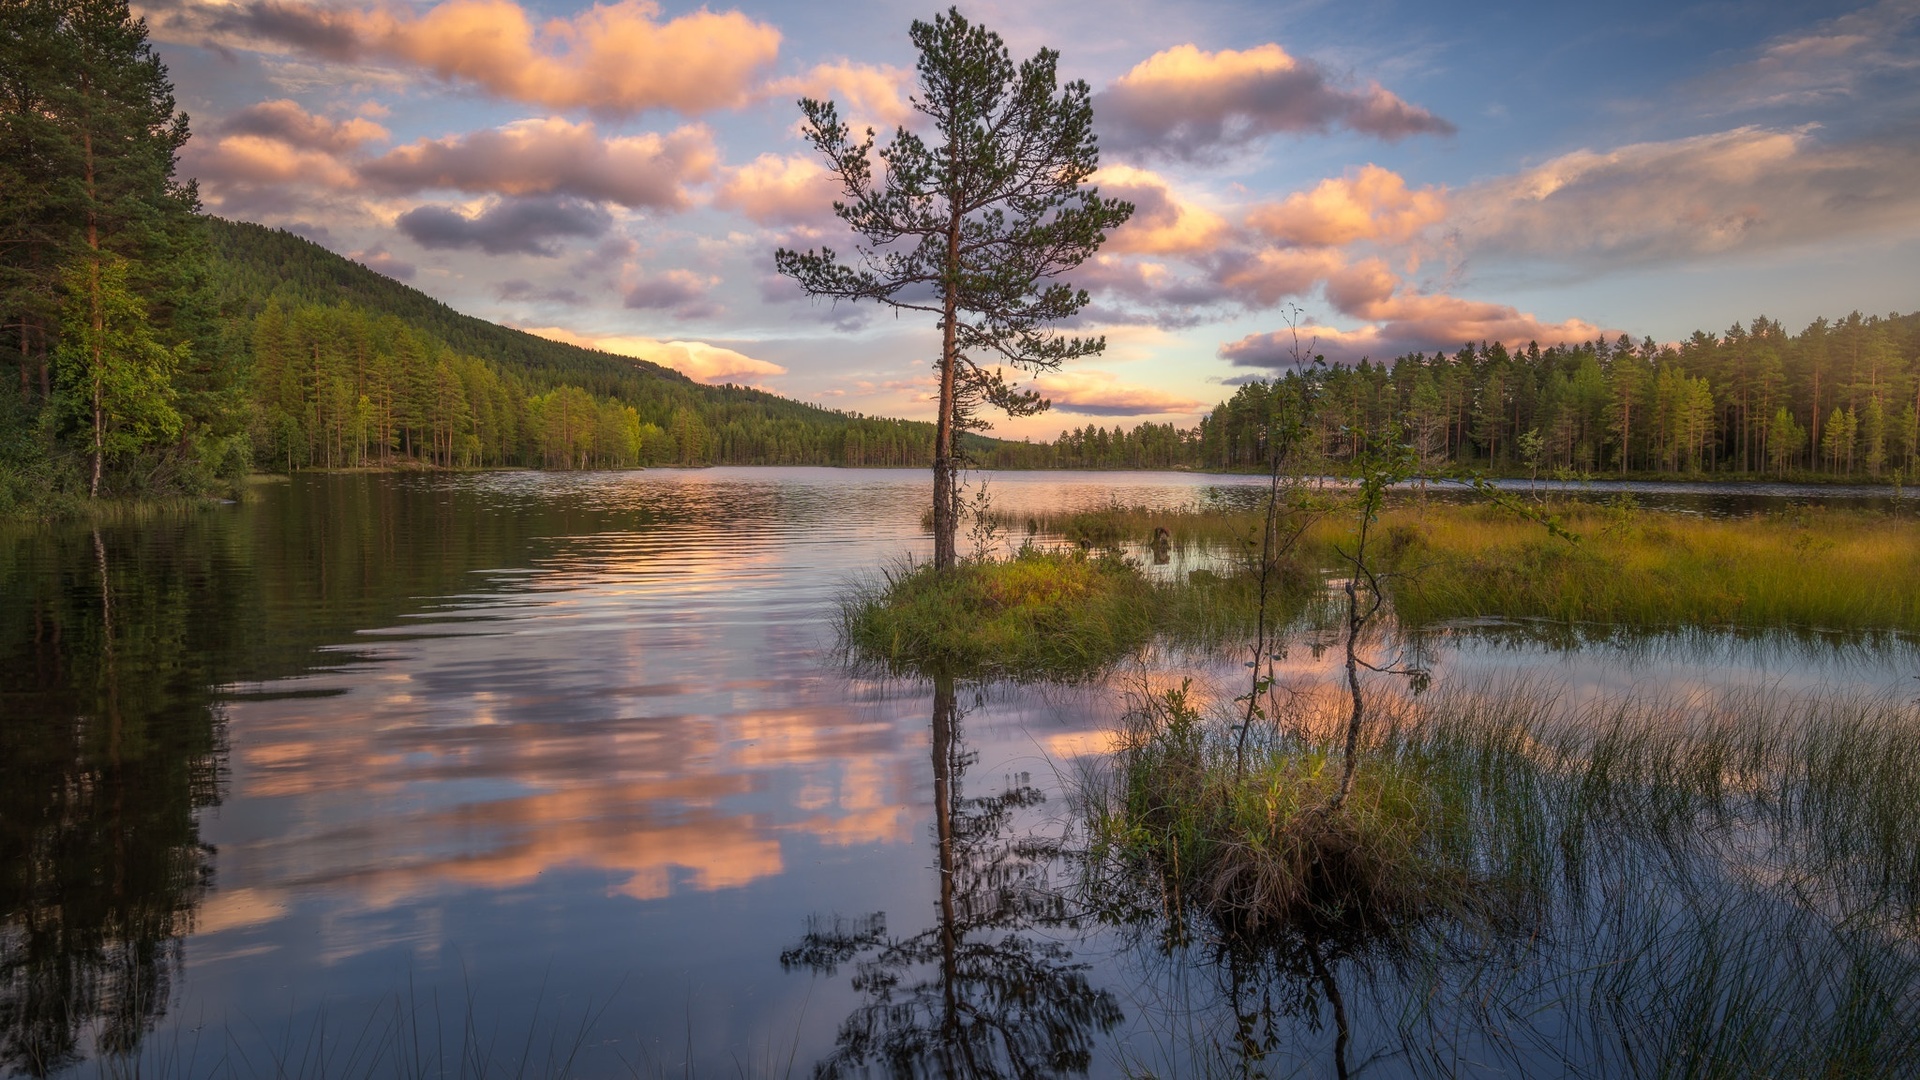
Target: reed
{"x":1715,"y":888}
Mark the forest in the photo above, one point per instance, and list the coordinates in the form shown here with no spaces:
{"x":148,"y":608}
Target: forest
{"x":1840,"y":399}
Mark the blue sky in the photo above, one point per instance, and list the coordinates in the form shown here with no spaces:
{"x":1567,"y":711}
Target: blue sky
{"x":1408,"y":175}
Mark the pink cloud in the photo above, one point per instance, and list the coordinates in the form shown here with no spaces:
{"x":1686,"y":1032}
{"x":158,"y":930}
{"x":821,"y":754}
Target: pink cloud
{"x":1370,"y":203}
{"x":1413,"y":322}
{"x":1186,"y":103}
{"x":868,"y":95}
{"x":1264,"y":278}
{"x":615,"y":58}
{"x":555,"y":157}
{"x":697,"y":360}
{"x":1163,"y":223}
{"x":776,"y":190}
{"x":286,"y":122}
{"x":682,"y":292}
{"x":1100,"y":393}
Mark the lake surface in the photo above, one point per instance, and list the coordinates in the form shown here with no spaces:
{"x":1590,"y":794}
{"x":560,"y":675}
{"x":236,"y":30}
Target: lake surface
{"x":436,"y":774}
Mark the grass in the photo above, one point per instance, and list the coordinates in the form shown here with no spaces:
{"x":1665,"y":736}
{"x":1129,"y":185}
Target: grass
{"x":1830,"y":570}
{"x":1513,"y":791}
{"x":1806,"y":568}
{"x":1716,"y":888}
{"x":1040,"y":614}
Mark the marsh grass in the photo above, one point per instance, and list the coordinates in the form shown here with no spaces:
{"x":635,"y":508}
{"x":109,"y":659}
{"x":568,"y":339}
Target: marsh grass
{"x":1807,"y":568}
{"x":1502,"y":796}
{"x":1723,"y":887}
{"x":1821,"y":569}
{"x":1064,"y":615}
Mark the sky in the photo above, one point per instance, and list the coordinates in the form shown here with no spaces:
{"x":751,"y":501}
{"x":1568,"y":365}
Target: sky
{"x":1379,"y":176}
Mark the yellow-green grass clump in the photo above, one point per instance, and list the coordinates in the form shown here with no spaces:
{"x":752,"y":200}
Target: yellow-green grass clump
{"x":1040,"y":614}
{"x":1827,"y":569}
{"x":1817,"y":570}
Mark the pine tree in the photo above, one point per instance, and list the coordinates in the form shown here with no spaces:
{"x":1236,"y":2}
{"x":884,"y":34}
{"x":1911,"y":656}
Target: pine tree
{"x":983,"y":221}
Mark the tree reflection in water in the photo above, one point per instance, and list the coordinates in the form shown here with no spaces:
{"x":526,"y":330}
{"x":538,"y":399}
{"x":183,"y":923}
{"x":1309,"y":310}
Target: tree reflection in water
{"x":974,"y":995}
{"x":110,"y":745}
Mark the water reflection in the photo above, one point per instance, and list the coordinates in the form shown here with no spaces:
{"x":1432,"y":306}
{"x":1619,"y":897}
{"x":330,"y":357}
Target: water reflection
{"x":511,"y":728}
{"x":111,"y":746}
{"x":980,"y":993}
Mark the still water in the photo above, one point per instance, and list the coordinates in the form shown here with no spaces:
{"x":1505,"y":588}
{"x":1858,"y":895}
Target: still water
{"x":423,"y":775}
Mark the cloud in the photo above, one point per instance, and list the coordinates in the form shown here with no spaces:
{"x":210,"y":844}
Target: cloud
{"x":507,"y":227}
{"x":1100,"y":393}
{"x":520,"y":289}
{"x":381,"y":261}
{"x":1193,"y":105}
{"x":1263,"y":278}
{"x":616,"y":59}
{"x":233,"y":163}
{"x":1747,"y":189}
{"x":1824,"y":63}
{"x":868,"y":95}
{"x":694,"y":359}
{"x":1163,"y":223}
{"x":287,"y":123}
{"x":776,"y":190}
{"x":554,"y":156}
{"x":1370,"y":203}
{"x":1414,"y":322}
{"x":682,"y":292}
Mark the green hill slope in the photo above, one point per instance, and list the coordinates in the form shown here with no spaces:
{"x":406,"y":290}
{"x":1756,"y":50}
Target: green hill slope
{"x":273,"y":275}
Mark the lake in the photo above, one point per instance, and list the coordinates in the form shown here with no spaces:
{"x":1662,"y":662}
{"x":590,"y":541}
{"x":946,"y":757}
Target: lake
{"x":442,"y":774}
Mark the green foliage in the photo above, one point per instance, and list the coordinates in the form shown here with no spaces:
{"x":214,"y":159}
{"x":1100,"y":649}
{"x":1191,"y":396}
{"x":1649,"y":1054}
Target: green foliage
{"x":121,"y":373}
{"x":1039,"y":614}
{"x":116,"y":381}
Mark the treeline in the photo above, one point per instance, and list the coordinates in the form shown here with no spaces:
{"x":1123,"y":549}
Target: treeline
{"x":1147,"y":446}
{"x":334,"y":386}
{"x":1839,"y":399}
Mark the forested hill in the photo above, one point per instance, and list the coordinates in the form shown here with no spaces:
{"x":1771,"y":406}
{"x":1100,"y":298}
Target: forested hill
{"x":345,"y":366}
{"x":253,"y":264}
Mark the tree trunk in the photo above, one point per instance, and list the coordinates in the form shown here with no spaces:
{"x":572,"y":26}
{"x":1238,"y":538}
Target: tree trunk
{"x":98,"y":316}
{"x":945,"y":499}
{"x":944,"y":712}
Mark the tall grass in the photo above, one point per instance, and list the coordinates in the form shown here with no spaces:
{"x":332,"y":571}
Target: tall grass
{"x":1826,"y":570}
{"x":1626,"y":887}
{"x":1805,"y":568}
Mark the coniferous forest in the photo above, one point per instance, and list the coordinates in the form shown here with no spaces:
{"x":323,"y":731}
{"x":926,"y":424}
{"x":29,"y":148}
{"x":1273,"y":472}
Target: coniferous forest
{"x":163,"y":351}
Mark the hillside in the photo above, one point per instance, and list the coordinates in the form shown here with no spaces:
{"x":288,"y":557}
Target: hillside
{"x":300,"y":288}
